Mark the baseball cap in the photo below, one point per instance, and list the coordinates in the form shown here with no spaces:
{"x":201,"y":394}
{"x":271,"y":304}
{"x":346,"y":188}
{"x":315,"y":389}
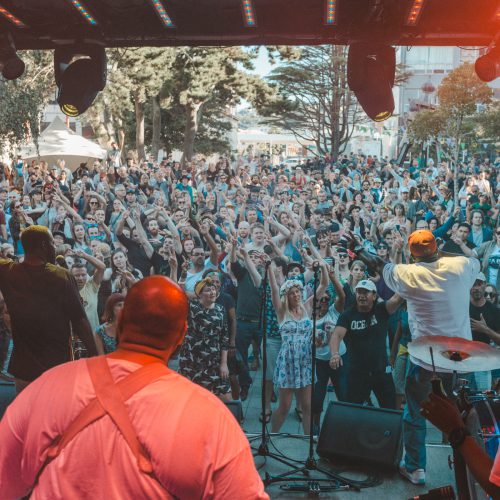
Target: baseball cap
{"x":377,"y":179}
{"x":422,"y":243}
{"x":405,"y":190}
{"x":367,"y":285}
{"x":481,"y":277}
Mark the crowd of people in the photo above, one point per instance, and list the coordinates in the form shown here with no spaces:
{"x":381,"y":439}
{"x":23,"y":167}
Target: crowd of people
{"x":247,"y":240}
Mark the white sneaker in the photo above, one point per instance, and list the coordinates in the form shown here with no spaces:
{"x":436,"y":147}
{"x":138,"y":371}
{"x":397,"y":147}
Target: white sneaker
{"x":415,"y":477}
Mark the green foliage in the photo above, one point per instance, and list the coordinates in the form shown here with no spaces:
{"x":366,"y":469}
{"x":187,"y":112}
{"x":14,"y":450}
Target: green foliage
{"x":427,"y":125}
{"x":22,"y":101}
{"x":489,"y":122}
{"x":313,"y":100}
{"x":461,"y":91}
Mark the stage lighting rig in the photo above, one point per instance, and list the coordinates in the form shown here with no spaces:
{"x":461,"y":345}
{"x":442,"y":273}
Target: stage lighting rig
{"x":371,"y":69}
{"x":488,"y":65}
{"x":11,"y":65}
{"x":80,"y":72}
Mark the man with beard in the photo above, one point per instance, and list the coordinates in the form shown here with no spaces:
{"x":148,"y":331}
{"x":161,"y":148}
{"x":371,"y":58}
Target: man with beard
{"x":44,"y":306}
{"x":485,"y":326}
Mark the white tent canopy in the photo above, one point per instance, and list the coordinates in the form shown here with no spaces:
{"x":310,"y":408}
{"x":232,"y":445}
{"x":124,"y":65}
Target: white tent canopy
{"x":57,"y":142}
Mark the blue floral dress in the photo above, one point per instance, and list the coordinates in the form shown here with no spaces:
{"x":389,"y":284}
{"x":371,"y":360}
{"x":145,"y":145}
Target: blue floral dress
{"x":294,"y":363}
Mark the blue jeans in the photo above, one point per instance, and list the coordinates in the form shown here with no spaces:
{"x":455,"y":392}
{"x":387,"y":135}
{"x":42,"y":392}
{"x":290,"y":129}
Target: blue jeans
{"x":418,"y":388}
{"x":246,"y":331}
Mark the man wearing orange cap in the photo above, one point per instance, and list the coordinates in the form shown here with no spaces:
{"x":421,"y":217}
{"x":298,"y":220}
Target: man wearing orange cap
{"x":436,"y":289}
{"x":125,"y":425}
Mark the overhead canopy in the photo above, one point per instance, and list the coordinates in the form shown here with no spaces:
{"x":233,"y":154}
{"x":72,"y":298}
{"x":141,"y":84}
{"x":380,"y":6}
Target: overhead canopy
{"x":58,"y":142}
{"x":114,"y":23}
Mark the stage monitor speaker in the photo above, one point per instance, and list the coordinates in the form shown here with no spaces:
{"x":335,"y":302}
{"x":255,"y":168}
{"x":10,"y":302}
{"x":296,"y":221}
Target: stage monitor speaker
{"x":236,"y":409}
{"x":362,"y":435}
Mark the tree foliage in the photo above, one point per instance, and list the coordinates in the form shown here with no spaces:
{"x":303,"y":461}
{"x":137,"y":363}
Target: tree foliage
{"x":22,"y":101}
{"x":489,"y":122}
{"x":314,"y":101}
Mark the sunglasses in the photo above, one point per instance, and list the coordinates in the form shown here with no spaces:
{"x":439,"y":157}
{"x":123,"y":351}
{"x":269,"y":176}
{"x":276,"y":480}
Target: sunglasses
{"x":490,"y":294}
{"x":17,"y":206}
{"x":342,"y":255}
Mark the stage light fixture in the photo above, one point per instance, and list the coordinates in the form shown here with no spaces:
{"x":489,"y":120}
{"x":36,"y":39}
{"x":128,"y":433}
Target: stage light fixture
{"x":249,"y":14}
{"x":11,"y":17}
{"x":80,"y":73}
{"x":331,"y":11}
{"x":488,"y":65}
{"x":11,"y":65}
{"x":80,"y":7}
{"x":370,"y":75}
{"x":162,"y":13}
{"x":414,"y":12}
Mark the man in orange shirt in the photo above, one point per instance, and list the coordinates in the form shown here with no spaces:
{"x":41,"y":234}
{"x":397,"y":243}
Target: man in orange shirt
{"x":124,"y":425}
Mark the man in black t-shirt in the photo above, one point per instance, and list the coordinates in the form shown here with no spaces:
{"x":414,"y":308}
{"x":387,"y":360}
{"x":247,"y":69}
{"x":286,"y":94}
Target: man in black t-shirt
{"x":485,"y":326}
{"x":44,"y":306}
{"x":364,"y":331}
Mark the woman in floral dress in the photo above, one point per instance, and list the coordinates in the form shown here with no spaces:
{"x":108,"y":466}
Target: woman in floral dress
{"x":203,"y":355}
{"x":293,"y":373}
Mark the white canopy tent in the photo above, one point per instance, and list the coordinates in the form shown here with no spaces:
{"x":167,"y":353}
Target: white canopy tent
{"x":57,"y":142}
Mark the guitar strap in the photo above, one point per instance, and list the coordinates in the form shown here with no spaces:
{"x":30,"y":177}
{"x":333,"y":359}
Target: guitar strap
{"x":110,"y":400}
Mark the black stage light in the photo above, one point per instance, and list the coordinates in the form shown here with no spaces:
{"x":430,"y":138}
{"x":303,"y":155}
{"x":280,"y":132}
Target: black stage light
{"x":371,"y":69}
{"x":11,"y":65}
{"x":79,"y":81}
{"x":488,"y":65}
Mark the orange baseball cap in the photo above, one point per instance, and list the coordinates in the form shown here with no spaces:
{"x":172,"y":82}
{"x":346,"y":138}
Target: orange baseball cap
{"x":422,"y":243}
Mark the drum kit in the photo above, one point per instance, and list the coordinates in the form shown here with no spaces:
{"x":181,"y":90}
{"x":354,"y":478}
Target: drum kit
{"x":480,"y":410}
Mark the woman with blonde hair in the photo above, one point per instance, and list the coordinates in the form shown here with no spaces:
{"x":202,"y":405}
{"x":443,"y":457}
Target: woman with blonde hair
{"x":293,"y":372}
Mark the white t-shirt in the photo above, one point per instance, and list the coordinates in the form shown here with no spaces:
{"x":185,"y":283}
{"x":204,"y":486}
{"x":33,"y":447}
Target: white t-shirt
{"x":89,"y":295}
{"x":438,"y":295}
{"x":193,"y":278}
{"x":324,"y":329}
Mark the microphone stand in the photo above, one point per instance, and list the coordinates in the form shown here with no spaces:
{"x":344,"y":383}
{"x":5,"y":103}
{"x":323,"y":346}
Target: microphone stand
{"x":313,"y":485}
{"x":263,"y":449}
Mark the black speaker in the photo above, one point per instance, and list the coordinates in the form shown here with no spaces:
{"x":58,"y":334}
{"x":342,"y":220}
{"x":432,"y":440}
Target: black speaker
{"x":236,"y":409}
{"x":362,"y":434}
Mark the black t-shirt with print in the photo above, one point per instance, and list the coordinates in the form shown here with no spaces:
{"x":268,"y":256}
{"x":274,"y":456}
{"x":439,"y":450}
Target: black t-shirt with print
{"x":366,"y":345}
{"x":491,"y":315}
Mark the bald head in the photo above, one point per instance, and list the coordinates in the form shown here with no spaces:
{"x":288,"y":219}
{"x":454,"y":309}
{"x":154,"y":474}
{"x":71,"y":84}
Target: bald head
{"x":154,"y":315}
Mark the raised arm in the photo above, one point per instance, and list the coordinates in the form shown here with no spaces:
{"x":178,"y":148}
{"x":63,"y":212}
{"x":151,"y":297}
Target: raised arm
{"x":99,"y":265}
{"x":214,"y":252}
{"x":252,"y":270}
{"x":275,"y":292}
{"x":141,"y":235}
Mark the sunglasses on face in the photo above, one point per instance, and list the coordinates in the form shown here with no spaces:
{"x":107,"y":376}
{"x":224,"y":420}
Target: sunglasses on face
{"x":342,"y":255}
{"x":490,"y":294}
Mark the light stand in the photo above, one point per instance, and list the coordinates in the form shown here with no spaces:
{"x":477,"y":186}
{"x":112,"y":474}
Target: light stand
{"x":336,"y":481}
{"x":263,"y":449}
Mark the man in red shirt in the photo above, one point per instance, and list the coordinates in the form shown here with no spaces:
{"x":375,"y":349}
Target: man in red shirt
{"x":95,"y":429}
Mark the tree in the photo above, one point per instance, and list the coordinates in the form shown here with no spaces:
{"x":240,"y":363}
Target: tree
{"x":489,"y":122}
{"x":135,"y":79}
{"x":203,"y":76}
{"x":23,"y":100}
{"x":459,"y":94}
{"x":314,"y":101}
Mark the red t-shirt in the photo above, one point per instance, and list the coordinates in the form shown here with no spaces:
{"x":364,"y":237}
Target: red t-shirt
{"x":196,"y":447}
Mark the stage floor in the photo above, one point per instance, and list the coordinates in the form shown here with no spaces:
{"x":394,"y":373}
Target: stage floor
{"x":296,"y":448}
{"x":393,"y":486}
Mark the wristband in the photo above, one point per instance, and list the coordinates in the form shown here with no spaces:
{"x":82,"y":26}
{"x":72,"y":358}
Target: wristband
{"x":335,"y":354}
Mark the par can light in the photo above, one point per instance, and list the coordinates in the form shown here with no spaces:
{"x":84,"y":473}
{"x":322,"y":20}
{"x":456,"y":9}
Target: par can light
{"x":79,"y":81}
{"x":488,"y":65}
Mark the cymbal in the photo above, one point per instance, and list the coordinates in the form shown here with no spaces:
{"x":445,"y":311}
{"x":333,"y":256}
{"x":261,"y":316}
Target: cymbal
{"x":455,"y":353}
